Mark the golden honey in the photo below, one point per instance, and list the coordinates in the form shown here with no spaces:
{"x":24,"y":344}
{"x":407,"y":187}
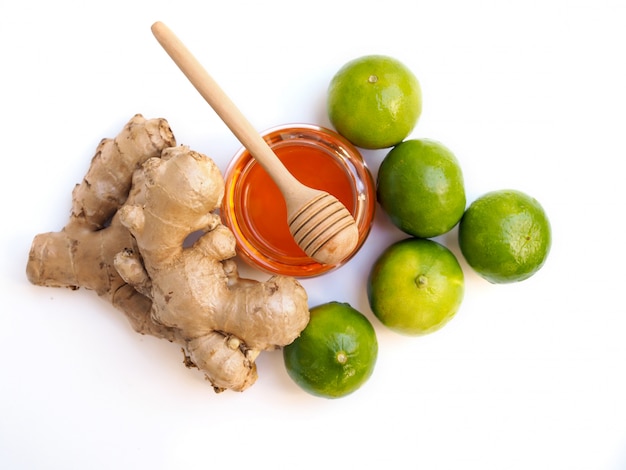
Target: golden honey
{"x":255,"y":210}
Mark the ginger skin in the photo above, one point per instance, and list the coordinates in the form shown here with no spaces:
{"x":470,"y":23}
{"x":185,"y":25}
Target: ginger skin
{"x":126,"y":241}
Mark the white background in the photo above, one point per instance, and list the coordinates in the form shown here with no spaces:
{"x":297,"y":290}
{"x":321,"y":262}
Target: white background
{"x":529,"y":95}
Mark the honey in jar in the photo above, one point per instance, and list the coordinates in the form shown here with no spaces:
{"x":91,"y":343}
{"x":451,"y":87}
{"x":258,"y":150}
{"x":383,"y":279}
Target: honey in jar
{"x":256,"y":212}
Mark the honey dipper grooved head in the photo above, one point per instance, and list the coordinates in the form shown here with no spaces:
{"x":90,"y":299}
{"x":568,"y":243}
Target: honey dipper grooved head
{"x":337,"y":248}
{"x":325,"y":230}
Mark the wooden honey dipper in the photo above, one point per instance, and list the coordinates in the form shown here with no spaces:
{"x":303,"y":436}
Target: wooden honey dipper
{"x":320,"y":224}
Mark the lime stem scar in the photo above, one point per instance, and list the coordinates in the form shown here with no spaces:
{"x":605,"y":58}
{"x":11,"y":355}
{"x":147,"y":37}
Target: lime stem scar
{"x":421,"y":281}
{"x":342,"y":357}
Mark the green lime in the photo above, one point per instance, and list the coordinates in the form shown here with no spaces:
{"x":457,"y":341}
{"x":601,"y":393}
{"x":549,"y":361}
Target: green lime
{"x":505,"y":236}
{"x":374,"y":101}
{"x":420,"y":186}
{"x":336,"y":352}
{"x":416,"y":286}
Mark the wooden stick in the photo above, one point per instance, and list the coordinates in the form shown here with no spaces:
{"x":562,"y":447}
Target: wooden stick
{"x":223,"y":106}
{"x":319,"y":223}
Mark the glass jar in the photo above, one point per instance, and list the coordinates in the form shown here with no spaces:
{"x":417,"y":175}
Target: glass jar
{"x":254,"y":209}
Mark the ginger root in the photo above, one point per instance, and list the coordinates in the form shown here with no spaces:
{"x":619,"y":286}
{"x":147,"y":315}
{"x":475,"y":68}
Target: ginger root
{"x":139,"y":202}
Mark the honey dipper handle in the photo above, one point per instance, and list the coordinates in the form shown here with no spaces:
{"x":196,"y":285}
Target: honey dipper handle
{"x":224,"y":107}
